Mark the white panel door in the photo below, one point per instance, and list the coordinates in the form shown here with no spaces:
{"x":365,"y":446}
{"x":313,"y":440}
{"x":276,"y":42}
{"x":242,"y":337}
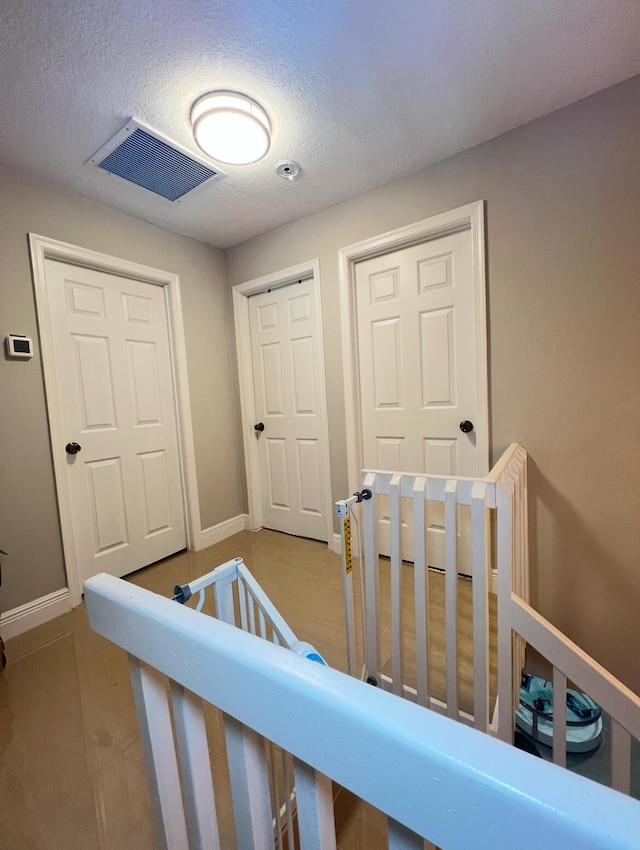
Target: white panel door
{"x":417,"y":362}
{"x":115,"y":385}
{"x":287,"y":388}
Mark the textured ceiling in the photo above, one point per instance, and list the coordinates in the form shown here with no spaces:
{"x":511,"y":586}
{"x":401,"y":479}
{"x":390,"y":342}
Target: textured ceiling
{"x":359,"y":92}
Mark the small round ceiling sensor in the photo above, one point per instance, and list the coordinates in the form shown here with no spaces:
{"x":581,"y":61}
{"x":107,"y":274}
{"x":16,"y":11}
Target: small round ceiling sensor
{"x":287,"y":169}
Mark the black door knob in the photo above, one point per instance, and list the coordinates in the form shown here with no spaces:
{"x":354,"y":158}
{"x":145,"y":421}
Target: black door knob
{"x":259,"y":426}
{"x":466,"y":426}
{"x":73,"y":448}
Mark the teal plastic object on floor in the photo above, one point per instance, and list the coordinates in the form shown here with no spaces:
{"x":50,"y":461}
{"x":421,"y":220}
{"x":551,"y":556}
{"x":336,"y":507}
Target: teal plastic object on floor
{"x":534,"y":715}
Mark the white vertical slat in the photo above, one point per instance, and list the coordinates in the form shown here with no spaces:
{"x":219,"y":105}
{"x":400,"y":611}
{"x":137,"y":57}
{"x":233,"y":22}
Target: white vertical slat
{"x":263,"y":624}
{"x":156,"y":735}
{"x":223,"y":591}
{"x":559,"y":718}
{"x":314,"y":800}
{"x":395,"y":511}
{"x":252,"y":611}
{"x":288,"y":806}
{"x":480,"y":591}
{"x":451,"y":594}
{"x":504,"y":560}
{"x":242,"y":604}
{"x":518,"y":645}
{"x":620,"y":758}
{"x":195,"y":769}
{"x":249,"y":778}
{"x":275,"y":795}
{"x":372,"y":649}
{"x":421,"y":590}
{"x":401,"y":838}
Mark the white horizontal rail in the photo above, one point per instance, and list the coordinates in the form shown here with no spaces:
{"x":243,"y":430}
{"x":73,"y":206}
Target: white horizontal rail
{"x":439,"y":779}
{"x":614,"y":697}
{"x":435,"y":489}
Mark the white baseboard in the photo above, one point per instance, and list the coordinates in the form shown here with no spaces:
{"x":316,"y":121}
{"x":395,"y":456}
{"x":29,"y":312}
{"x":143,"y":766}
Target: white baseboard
{"x":335,"y":544}
{"x":35,"y":613}
{"x":217,"y":533}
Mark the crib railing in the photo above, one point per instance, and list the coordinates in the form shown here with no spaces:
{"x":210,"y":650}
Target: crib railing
{"x":417,"y":495}
{"x":231,"y":594}
{"x":431,"y":777}
{"x":499,"y":561}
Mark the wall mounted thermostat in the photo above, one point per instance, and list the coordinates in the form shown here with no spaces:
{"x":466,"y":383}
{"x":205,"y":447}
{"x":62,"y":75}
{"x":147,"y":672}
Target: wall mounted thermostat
{"x":19,"y":346}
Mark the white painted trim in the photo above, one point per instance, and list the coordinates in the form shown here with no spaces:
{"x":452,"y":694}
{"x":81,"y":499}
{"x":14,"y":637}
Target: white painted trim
{"x":470,"y":217}
{"x":241,"y":293}
{"x":41,"y":249}
{"x":227,"y":528}
{"x":335,"y":544}
{"x":34,"y":613}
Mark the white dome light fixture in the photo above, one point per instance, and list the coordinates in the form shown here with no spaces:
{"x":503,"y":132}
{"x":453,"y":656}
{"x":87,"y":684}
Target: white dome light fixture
{"x":231,"y":128}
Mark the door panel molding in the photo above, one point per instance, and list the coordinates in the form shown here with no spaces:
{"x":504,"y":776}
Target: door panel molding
{"x":41,"y":249}
{"x":470,"y":216}
{"x":241,"y":293}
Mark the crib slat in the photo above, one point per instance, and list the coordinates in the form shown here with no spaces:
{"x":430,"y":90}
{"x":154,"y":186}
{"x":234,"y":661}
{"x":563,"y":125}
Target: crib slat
{"x":288,"y":805}
{"x":421,"y":591}
{"x":559,"y":718}
{"x":369,"y":507}
{"x":451,"y":594}
{"x":252,"y":612}
{"x":396,"y":584}
{"x":620,"y":758}
{"x":249,"y":778}
{"x":258,"y":597}
{"x":272,"y":751}
{"x":223,"y":591}
{"x":401,"y":838}
{"x":156,"y":735}
{"x":195,"y":769}
{"x":505,"y":643}
{"x":315,"y":808}
{"x":242,"y":600}
{"x":480,"y":591}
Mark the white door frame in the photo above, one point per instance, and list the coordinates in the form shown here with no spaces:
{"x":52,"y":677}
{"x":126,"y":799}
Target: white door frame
{"x":241,"y":294}
{"x":42,"y":249}
{"x":470,"y":216}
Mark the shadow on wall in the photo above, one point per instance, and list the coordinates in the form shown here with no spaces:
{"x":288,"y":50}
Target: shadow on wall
{"x":578,"y":585}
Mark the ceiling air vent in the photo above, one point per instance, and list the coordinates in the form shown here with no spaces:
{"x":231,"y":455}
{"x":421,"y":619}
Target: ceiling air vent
{"x":144,"y":157}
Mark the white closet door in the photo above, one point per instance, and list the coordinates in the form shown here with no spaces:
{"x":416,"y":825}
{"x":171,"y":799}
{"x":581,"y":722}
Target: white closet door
{"x":115,"y":385}
{"x":287,"y":387}
{"x":417,"y":356}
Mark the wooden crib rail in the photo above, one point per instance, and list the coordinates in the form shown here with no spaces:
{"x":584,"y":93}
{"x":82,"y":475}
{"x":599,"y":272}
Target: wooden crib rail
{"x":432,"y":777}
{"x":572,"y":663}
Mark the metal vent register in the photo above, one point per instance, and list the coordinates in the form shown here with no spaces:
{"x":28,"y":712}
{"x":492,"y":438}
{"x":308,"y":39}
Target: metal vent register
{"x":142,"y":156}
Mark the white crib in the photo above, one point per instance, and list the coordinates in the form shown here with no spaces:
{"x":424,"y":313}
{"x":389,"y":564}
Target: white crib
{"x":497,"y":556}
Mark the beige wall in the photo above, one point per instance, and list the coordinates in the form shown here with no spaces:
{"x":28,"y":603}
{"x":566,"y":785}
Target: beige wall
{"x":563,"y":218}
{"x":29,"y":527}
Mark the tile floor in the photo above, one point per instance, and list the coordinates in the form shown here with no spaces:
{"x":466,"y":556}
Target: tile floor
{"x":71,"y":769}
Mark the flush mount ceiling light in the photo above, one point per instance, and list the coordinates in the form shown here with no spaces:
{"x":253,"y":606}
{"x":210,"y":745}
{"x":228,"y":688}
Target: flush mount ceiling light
{"x":231,"y":127}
